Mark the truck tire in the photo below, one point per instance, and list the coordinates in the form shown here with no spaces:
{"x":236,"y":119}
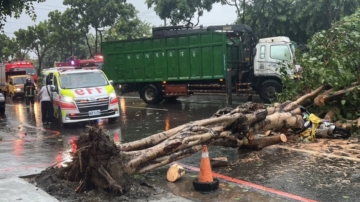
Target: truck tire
{"x":2,"y":110}
{"x":268,"y":89}
{"x":151,"y":95}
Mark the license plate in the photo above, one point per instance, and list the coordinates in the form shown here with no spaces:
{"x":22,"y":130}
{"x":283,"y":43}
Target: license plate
{"x":94,"y":113}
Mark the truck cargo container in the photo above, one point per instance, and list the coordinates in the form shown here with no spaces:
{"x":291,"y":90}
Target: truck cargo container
{"x":181,"y":61}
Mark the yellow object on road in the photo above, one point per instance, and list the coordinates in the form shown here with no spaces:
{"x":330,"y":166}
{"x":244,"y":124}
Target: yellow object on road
{"x":310,"y":133}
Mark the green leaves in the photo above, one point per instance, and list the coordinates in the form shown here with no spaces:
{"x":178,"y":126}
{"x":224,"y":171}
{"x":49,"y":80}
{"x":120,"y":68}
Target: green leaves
{"x":181,"y":10}
{"x":332,"y":59}
{"x":14,"y":8}
{"x":128,"y":29}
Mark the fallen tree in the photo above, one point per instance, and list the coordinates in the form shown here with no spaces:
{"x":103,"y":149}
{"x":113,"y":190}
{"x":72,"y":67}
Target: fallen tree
{"x":100,"y":162}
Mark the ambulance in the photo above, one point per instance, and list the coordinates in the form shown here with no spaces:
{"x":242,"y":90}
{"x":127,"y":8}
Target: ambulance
{"x":81,"y":95}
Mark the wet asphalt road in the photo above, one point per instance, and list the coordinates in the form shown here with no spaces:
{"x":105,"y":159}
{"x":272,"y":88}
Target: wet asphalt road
{"x":27,"y":147}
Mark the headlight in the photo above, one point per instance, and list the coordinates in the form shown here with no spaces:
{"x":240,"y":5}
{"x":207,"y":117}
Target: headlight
{"x":67,"y":99}
{"x":18,"y":89}
{"x":112,"y":95}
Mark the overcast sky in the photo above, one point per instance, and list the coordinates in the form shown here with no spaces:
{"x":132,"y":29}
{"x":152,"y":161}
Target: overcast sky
{"x":219,"y":15}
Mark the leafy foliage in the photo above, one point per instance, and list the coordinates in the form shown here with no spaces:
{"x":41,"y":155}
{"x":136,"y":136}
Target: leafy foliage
{"x":181,"y":10}
{"x":13,"y":8}
{"x":7,"y":47}
{"x":333,"y":60}
{"x":39,"y":39}
{"x":99,"y":13}
{"x":298,"y":19}
{"x":128,"y":29}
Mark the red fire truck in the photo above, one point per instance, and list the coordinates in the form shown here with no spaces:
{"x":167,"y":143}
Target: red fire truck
{"x":11,"y":67}
{"x":97,"y":62}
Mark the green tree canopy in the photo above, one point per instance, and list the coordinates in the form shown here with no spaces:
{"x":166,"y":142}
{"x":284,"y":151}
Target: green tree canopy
{"x":7,"y":48}
{"x":297,"y":19}
{"x":66,"y":29}
{"x":181,"y":10}
{"x":128,"y":29}
{"x":100,"y":14}
{"x":40,"y":39}
{"x":332,"y":60}
{"x":13,"y":8}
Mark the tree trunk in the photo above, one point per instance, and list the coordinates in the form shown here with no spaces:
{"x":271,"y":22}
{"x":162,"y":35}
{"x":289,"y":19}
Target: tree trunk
{"x":96,"y":41}
{"x":87,"y":42}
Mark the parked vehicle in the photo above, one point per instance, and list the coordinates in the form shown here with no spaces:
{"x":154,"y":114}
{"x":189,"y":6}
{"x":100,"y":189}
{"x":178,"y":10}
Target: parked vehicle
{"x":82,"y":95}
{"x":181,"y":61}
{"x":2,"y":103}
{"x":15,"y":87}
{"x":3,"y":80}
{"x":325,"y":128}
{"x":96,"y":62}
{"x":21,"y":66}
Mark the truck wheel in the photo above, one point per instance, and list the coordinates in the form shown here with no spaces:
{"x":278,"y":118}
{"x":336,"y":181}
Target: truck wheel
{"x":151,"y":95}
{"x":2,"y":110}
{"x":268,"y":90}
{"x":171,"y":99}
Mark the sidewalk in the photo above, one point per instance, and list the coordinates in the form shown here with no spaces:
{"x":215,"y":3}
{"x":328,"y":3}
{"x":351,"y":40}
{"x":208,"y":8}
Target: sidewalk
{"x":17,"y":189}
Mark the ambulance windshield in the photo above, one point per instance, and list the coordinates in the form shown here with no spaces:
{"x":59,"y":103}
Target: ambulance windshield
{"x":82,"y":80}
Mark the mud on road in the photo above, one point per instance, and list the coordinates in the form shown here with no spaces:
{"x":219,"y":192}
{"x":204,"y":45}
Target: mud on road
{"x":63,"y":190}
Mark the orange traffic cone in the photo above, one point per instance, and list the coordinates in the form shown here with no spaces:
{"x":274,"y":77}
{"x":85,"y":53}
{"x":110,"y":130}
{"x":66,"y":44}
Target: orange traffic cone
{"x":205,"y":174}
{"x":205,"y":182}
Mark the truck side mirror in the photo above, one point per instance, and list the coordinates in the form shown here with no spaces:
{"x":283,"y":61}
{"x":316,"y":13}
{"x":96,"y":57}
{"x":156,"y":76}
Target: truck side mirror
{"x":111,"y":82}
{"x":254,"y":51}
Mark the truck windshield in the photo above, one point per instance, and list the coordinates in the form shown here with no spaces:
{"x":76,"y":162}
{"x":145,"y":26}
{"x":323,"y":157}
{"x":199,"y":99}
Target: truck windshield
{"x":292,"y":48}
{"x":20,"y":80}
{"x":83,"y":80}
{"x":280,"y":52}
{"x":29,"y":71}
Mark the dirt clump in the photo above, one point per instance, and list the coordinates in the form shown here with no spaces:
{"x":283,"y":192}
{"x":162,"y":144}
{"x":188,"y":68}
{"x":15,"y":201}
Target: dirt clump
{"x":64,"y":190}
{"x":96,"y":173}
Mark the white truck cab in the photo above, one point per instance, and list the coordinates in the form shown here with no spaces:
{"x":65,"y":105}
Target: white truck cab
{"x":270,"y":52}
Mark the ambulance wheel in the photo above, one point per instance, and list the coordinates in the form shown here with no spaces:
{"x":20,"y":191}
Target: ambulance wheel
{"x":60,"y":121}
{"x":151,"y":95}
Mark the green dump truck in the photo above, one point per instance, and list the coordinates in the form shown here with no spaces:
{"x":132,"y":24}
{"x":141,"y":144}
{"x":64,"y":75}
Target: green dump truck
{"x":181,"y":61}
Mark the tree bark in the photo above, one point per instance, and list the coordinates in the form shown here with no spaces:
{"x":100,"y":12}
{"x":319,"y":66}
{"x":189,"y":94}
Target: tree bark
{"x":175,"y":172}
{"x":321,"y":99}
{"x":259,"y":143}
